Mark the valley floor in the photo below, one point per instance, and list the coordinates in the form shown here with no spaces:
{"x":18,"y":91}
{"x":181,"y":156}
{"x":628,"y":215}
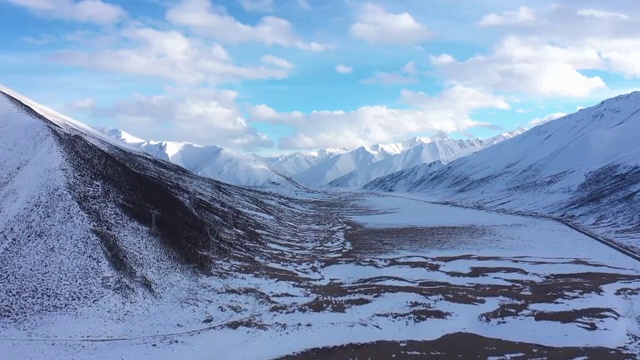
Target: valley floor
{"x":371,"y":275}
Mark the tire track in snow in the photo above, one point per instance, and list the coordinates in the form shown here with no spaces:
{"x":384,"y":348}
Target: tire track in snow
{"x":127,"y":338}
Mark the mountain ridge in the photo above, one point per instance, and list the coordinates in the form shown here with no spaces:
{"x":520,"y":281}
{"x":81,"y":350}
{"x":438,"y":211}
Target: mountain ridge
{"x":331,"y":166}
{"x":426,"y":150}
{"x":211,"y":161}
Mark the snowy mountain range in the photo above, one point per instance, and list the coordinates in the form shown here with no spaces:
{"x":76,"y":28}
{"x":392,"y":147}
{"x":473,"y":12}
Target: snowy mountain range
{"x":337,"y":167}
{"x":419,"y":151}
{"x":298,"y":162}
{"x":210,"y":161}
{"x":354,"y":168}
{"x":583,"y":166}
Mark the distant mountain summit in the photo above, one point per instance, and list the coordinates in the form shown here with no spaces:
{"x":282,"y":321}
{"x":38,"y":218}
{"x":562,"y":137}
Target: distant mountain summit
{"x":417,"y":151}
{"x":334,"y":166}
{"x":210,"y":161}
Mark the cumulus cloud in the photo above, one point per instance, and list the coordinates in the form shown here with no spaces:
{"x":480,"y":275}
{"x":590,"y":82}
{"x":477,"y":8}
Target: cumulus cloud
{"x":449,"y":111}
{"x":609,"y":31}
{"x":172,"y":55}
{"x":343,"y":69}
{"x":527,"y":66}
{"x":277,"y":62}
{"x":213,"y":21}
{"x":442,"y":59}
{"x":546,"y":119}
{"x":198,"y":116}
{"x":523,"y":15}
{"x":375,"y":25}
{"x":263,"y":112}
{"x":620,"y":55}
{"x":410,"y":68}
{"x":88,"y":11}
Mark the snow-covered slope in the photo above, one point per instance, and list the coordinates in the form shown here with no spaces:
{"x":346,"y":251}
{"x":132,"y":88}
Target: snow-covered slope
{"x":210,"y":161}
{"x":585,"y":166}
{"x":76,"y":219}
{"x":419,"y":151}
{"x":298,"y":162}
{"x":322,"y":166}
{"x":356,"y":167}
{"x":339,"y":164}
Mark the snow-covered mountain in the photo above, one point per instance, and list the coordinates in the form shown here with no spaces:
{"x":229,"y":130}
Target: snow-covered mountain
{"x":340,"y":167}
{"x":585,"y":166}
{"x":317,"y":168}
{"x":419,"y":151}
{"x":356,"y":167}
{"x":339,"y":164}
{"x":298,"y":162}
{"x":89,"y":222}
{"x":210,"y":161}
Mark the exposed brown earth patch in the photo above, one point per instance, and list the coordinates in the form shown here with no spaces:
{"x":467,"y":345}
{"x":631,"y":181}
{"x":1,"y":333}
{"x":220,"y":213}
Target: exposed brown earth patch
{"x":374,"y":241}
{"x":585,"y":318}
{"x":456,"y":346}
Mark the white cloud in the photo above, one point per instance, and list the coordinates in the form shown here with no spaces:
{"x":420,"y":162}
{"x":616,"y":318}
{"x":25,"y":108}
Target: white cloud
{"x":257,"y":5}
{"x":521,"y":16}
{"x":263,"y":112}
{"x":620,"y":55}
{"x":213,"y":21}
{"x":599,"y":14}
{"x":375,"y":25}
{"x":343,"y":69}
{"x":448,"y":111}
{"x":609,"y":32}
{"x":89,"y":11}
{"x":219,"y":53}
{"x":442,"y":59}
{"x":546,"y":119}
{"x":277,"y":62}
{"x":410,"y":68}
{"x":202,"y":117}
{"x":172,"y":55}
{"x":527,"y":66}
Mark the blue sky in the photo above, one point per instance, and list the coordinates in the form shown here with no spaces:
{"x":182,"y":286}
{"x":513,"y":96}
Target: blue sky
{"x":279,"y":75}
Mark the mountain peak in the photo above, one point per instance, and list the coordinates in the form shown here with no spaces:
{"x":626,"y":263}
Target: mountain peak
{"x":440,"y":135}
{"x":420,"y":140}
{"x":120,"y":135}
